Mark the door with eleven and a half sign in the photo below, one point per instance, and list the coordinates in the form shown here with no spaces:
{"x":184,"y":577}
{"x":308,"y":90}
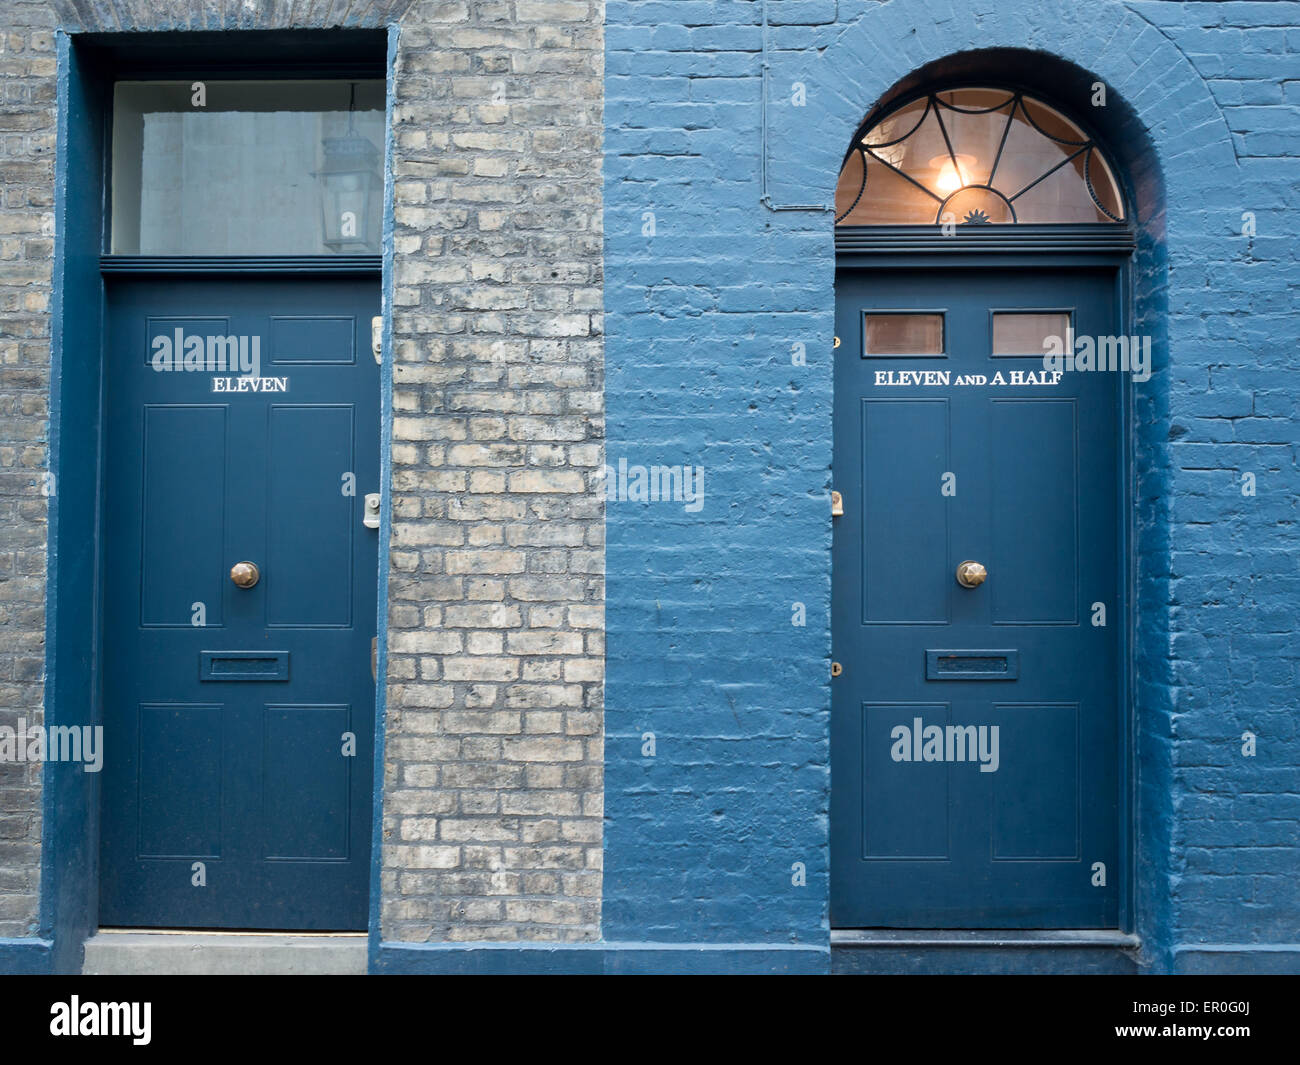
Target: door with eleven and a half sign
{"x":979,"y":468}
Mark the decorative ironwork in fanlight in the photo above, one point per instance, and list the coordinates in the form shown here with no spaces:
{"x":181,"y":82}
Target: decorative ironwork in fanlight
{"x":975,"y":156}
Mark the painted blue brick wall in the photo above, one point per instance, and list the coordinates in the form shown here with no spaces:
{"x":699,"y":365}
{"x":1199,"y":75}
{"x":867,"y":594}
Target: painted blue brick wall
{"x":701,"y":317}
{"x":701,"y":839}
{"x":1235,"y":566}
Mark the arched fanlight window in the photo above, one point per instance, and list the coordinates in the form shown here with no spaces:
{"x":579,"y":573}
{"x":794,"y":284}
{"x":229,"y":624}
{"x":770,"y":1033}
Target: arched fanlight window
{"x":975,"y":156}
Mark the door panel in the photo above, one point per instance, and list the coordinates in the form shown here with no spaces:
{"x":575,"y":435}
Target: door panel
{"x":311,"y":553}
{"x":1034,"y":472}
{"x":228,"y":709}
{"x":903,"y":576}
{"x":184,"y":503}
{"x":975,"y":731}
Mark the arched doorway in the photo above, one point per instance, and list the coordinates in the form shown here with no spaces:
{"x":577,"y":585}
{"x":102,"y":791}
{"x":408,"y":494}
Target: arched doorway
{"x":979,"y":606}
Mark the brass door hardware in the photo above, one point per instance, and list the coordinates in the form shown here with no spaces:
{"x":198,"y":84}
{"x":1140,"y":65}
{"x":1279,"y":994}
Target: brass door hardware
{"x":971,"y":574}
{"x":837,"y":505}
{"x":245,"y":574}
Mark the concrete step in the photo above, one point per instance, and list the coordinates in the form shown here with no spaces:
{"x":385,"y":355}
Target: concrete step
{"x":881,"y":951}
{"x":133,"y":953}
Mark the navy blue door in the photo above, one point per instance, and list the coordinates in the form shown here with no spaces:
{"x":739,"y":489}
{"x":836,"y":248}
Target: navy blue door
{"x":242,"y":426}
{"x":975,"y":725}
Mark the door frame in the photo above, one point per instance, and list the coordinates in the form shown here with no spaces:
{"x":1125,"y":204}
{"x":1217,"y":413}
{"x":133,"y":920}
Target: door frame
{"x":919,"y":249}
{"x":87,"y":66}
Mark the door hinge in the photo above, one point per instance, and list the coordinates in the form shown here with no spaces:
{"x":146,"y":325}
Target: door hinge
{"x":370,"y":519}
{"x":837,"y":505}
{"x":377,"y":337}
{"x":836,"y":669}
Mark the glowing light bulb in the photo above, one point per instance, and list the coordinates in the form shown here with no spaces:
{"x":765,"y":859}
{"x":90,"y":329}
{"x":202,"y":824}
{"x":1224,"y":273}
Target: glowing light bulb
{"x":949,"y":179}
{"x":952,"y":176}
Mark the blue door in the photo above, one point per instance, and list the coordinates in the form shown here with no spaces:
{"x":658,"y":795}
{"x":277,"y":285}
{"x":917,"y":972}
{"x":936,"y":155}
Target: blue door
{"x":242,"y":438}
{"x":977,"y":607}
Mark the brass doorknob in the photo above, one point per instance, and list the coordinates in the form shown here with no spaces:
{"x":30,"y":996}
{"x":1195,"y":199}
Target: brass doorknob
{"x":245,"y":574}
{"x":971,"y":574}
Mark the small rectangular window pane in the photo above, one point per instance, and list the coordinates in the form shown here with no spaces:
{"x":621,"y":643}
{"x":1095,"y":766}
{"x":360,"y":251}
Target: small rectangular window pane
{"x":1025,"y":332}
{"x":903,"y":334}
{"x":251,"y":168}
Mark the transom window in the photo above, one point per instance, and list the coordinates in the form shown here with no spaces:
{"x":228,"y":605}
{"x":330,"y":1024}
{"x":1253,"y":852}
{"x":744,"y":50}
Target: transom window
{"x":222,"y":167}
{"x":975,"y":156}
